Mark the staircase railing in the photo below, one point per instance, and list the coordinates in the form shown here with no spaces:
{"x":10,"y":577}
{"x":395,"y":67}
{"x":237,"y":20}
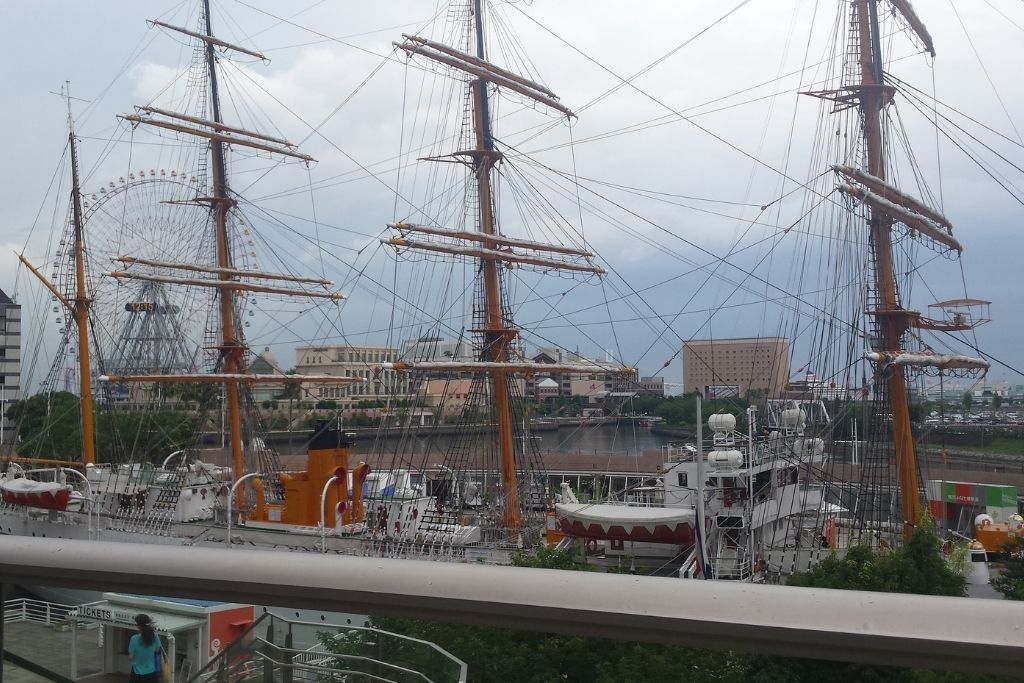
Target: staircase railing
{"x":289,"y":651}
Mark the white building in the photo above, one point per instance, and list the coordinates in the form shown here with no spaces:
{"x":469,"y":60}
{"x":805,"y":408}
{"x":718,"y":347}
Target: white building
{"x":351,"y":361}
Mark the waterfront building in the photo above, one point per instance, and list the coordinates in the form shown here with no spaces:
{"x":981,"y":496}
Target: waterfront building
{"x":718,"y":368}
{"x":10,"y":361}
{"x":591,"y":386}
{"x":351,"y":361}
{"x":447,"y":397}
{"x":544,"y":389}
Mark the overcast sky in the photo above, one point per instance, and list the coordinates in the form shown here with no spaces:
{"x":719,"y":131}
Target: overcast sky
{"x":721,"y":164}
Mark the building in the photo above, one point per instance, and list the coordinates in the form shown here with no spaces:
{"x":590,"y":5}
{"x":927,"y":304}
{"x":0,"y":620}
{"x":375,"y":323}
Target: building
{"x":10,"y":362}
{"x":438,"y":349}
{"x":266,"y":364}
{"x":351,"y":361}
{"x":651,"y":386}
{"x":717,"y":368}
{"x":448,"y":397}
{"x":592,"y":386}
{"x":544,"y":389}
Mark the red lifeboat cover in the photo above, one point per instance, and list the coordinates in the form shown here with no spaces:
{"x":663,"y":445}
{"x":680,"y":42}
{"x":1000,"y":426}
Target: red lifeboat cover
{"x":627,"y":523}
{"x":37,"y":494}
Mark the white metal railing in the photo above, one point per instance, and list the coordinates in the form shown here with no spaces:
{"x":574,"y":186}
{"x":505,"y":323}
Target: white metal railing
{"x":38,"y":611}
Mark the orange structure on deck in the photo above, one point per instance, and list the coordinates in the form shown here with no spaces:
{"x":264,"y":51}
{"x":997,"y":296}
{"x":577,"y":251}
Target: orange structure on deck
{"x":327,"y":458}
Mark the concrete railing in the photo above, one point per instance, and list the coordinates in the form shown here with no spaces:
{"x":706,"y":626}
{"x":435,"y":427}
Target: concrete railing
{"x":980,"y":636}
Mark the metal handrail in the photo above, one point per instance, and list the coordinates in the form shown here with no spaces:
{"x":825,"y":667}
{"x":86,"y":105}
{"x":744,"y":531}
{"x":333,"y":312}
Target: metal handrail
{"x":39,"y":611}
{"x":252,"y":650}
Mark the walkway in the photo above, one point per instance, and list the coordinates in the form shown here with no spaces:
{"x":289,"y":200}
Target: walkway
{"x":50,"y":646}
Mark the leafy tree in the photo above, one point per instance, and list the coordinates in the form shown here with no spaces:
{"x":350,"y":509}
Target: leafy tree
{"x":144,"y":435}
{"x":203,"y":395}
{"x":1011,"y":582}
{"x":967,"y":400}
{"x":360,"y":420}
{"x":49,"y":425}
{"x":918,"y":566}
{"x":547,"y":557}
{"x":997,"y":401}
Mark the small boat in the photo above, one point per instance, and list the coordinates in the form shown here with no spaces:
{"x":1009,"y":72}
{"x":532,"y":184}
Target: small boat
{"x":49,"y":495}
{"x":627,"y":523}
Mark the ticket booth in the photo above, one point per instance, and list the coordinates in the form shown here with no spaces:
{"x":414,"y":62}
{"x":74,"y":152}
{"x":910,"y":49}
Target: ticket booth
{"x":192,"y":631}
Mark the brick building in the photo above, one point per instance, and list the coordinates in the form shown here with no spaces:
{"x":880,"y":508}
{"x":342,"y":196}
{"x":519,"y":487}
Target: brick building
{"x":734,"y":367}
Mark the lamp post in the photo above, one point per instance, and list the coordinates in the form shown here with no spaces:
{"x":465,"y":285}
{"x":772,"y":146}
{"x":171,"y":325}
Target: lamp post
{"x":231,"y":497}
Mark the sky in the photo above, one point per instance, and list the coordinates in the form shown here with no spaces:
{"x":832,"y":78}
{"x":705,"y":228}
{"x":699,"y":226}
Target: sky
{"x":717,"y":130}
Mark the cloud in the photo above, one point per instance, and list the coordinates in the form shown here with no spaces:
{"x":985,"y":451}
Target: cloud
{"x":701,"y":180}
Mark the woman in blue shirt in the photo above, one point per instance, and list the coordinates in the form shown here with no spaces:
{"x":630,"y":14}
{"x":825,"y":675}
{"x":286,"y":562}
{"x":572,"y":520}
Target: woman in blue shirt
{"x":143,"y":650}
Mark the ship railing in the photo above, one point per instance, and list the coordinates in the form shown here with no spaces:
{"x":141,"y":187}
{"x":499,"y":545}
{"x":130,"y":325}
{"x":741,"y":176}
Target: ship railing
{"x":727,"y":569}
{"x":677,"y":452}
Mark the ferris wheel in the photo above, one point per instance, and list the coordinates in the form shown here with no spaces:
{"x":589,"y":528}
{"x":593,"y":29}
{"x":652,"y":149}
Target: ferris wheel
{"x":144,"y":326}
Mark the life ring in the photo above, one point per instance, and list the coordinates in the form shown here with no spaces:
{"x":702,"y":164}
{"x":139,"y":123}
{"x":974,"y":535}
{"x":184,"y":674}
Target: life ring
{"x":592,"y":545}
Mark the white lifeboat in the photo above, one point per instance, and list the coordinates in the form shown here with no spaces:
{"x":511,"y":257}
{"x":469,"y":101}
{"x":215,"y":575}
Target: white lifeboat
{"x":627,"y":522}
{"x":49,"y":495}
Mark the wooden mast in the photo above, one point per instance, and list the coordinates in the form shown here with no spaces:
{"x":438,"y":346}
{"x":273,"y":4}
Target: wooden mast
{"x":81,"y":303}
{"x":232,"y":349}
{"x":892,"y":320}
{"x":497,"y":337}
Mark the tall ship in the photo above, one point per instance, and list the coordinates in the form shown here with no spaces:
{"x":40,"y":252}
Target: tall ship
{"x":771,"y":499}
{"x":159,"y":274}
{"x":155,"y":280}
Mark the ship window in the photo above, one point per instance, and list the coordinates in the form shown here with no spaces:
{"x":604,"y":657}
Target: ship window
{"x":681,"y":478}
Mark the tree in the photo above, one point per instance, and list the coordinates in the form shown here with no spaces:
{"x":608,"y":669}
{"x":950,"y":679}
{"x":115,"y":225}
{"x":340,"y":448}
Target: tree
{"x":49,"y":425}
{"x":547,"y":557}
{"x":997,"y":401}
{"x":1011,"y":582}
{"x":919,"y":566}
{"x":967,"y":400}
{"x":144,"y":435}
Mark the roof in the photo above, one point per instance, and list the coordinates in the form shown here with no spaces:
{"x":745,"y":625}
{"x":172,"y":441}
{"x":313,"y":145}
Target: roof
{"x":547,"y":382}
{"x":266,"y":364}
{"x":6,"y":300}
{"x":186,"y":601}
{"x":736,"y":340}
